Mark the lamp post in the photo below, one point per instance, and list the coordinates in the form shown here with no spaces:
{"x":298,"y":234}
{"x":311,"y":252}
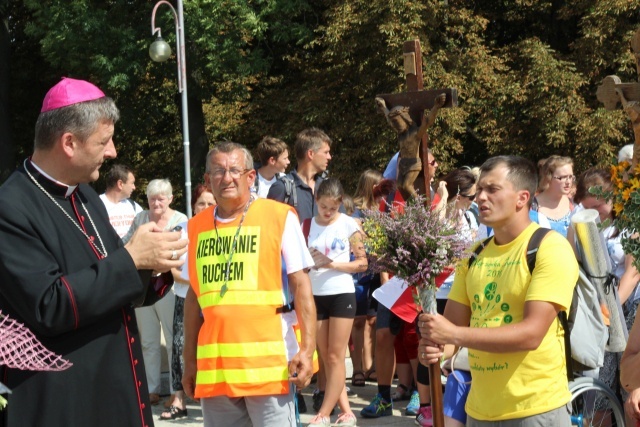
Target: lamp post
{"x":160,"y":52}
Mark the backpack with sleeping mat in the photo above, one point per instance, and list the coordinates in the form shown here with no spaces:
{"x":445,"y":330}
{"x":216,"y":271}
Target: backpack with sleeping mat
{"x":585,"y":331}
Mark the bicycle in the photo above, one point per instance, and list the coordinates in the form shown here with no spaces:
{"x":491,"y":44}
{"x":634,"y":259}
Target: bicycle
{"x":593,"y":404}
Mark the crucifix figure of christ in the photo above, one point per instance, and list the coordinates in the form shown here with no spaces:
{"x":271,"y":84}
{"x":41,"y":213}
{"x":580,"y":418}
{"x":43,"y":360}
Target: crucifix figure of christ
{"x":612,"y":91}
{"x":410,"y":136}
{"x":410,"y":114}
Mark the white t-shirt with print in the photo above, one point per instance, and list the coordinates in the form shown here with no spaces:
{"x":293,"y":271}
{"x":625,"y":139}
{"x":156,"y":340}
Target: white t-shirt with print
{"x":332,"y":241}
{"x":121,"y":214}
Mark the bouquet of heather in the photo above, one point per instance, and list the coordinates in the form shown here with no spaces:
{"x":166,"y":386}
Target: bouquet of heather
{"x":415,"y":244}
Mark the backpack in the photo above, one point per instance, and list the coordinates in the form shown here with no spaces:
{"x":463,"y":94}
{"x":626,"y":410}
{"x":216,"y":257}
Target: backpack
{"x":290,"y":190}
{"x":584,"y":326}
{"x":290,"y":193}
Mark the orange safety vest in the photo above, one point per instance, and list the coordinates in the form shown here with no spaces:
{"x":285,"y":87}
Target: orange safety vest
{"x":241,"y":349}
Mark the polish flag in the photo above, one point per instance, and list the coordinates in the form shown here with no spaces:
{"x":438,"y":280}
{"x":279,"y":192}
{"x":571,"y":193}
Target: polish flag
{"x":401,"y":298}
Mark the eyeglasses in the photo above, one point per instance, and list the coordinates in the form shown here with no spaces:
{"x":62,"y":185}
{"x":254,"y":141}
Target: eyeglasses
{"x":233,"y":172}
{"x":469,"y":196}
{"x":566,"y":178}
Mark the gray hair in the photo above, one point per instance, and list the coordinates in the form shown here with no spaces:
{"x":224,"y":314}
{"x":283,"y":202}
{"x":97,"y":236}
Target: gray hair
{"x":81,"y":119}
{"x":159,"y":186}
{"x":229,"y":147}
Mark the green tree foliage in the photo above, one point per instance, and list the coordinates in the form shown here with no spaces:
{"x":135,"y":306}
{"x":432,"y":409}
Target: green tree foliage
{"x":526,"y":73}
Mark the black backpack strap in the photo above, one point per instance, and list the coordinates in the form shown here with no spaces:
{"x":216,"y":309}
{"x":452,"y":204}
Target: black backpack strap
{"x":294,"y":193}
{"x":532,"y":253}
{"x":562,"y":315}
{"x":479,"y":249}
{"x":534,"y":245}
{"x":289,"y":190}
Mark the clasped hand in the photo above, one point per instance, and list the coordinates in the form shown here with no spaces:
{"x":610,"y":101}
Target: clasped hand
{"x":153,"y":249}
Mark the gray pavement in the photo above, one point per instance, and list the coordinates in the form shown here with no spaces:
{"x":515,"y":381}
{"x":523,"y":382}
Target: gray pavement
{"x":365,"y":394}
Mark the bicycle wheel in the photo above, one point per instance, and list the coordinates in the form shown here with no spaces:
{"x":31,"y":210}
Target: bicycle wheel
{"x":580,"y":382}
{"x":594,"y":405}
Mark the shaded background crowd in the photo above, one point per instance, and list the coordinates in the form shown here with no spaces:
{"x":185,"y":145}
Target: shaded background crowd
{"x":526,"y":74}
{"x":379,"y":347}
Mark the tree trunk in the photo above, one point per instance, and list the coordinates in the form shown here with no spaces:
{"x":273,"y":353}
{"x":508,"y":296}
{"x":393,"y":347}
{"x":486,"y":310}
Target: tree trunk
{"x":7,"y":149}
{"x":198,"y":138}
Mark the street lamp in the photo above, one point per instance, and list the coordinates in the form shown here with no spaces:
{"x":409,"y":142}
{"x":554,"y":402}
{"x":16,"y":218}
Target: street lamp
{"x":160,"y":52}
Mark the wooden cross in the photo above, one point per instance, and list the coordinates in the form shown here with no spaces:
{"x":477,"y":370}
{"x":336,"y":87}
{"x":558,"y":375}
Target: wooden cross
{"x":612,"y":91}
{"x":418,"y":100}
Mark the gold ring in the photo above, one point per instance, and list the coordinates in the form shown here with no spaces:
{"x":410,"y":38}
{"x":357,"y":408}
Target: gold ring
{"x":174,"y":254}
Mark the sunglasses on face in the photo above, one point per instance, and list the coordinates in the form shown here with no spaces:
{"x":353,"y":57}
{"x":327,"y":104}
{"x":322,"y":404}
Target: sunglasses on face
{"x":469,"y":196}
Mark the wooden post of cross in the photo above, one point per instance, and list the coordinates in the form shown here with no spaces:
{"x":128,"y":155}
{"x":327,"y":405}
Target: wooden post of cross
{"x":414,"y":103}
{"x":407,"y":114}
{"x":612,"y":91}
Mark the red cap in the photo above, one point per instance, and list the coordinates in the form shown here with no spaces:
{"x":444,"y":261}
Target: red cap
{"x":68,"y":92}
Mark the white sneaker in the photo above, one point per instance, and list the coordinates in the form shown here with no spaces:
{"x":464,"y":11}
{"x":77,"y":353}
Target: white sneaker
{"x":319,"y":421}
{"x":346,"y":419}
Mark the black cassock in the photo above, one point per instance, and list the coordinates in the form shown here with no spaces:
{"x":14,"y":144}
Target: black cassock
{"x":78,"y":305}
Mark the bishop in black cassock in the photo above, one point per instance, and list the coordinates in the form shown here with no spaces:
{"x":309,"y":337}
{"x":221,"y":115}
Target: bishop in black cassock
{"x":78,"y":305}
{"x":65,"y":274}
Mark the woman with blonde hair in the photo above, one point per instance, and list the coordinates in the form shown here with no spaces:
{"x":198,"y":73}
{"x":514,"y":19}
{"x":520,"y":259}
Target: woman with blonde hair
{"x":363,"y":330}
{"x":364,"y":198}
{"x":555,"y":185}
{"x":159,"y":196}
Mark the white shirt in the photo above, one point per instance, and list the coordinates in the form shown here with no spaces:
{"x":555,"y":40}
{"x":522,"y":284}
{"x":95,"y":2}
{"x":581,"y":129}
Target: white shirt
{"x":468,"y":227}
{"x":264,"y":185}
{"x":121,"y":214}
{"x":333,"y":241}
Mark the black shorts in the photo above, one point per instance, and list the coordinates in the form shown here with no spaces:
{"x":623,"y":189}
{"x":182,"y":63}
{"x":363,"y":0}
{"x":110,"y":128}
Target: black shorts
{"x":338,"y":305}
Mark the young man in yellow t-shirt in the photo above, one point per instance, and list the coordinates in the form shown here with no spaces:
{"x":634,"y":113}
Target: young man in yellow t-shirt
{"x":505,"y":315}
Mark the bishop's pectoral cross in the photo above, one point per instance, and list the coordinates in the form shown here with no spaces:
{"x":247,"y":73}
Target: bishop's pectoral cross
{"x":410,"y":114}
{"x":612,"y":91}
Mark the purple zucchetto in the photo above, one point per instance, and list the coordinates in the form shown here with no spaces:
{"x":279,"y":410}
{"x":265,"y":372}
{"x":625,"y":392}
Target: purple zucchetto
{"x":68,"y":92}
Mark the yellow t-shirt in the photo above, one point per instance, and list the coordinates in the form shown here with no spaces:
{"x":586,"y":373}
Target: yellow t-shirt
{"x":496,"y":287}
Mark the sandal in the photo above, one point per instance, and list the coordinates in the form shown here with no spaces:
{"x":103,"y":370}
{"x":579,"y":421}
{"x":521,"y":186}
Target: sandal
{"x":370,"y":375}
{"x":169,"y":402}
{"x":173,"y":413}
{"x":357,"y":379}
{"x":402,"y":393}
